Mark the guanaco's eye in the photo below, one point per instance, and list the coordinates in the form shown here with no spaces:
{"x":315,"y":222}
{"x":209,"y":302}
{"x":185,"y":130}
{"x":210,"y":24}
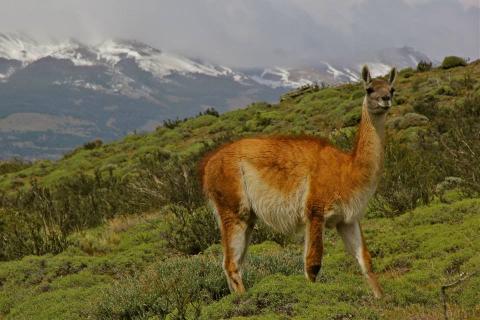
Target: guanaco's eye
{"x":369,"y":90}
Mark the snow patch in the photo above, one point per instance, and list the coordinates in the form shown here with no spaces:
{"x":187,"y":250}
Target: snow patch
{"x":5,"y":76}
{"x":25,"y":49}
{"x":76,"y":57}
{"x":351,"y":75}
{"x":159,"y":63}
{"x":331,"y":70}
{"x":283,"y":76}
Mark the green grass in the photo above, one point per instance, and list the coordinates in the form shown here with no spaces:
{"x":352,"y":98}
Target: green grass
{"x":414,"y":255}
{"x":114,"y":269}
{"x":62,"y":286}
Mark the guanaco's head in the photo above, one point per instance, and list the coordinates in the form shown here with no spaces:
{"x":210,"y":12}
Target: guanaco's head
{"x":379,"y":93}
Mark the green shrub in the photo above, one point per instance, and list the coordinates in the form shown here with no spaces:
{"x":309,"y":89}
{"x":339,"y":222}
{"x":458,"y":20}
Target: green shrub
{"x":427,"y":106}
{"x":172,"y":124}
{"x":460,"y":143}
{"x":398,"y":99}
{"x":416,"y":84}
{"x":452,"y":62}
{"x":190,"y":230}
{"x":465,"y":83}
{"x":13,"y":165}
{"x":449,"y":148}
{"x":423,"y":66}
{"x":286,"y":261}
{"x":210,"y":111}
{"x":165,"y":178}
{"x":446,"y":91}
{"x":176,"y":287}
{"x":38,"y":220}
{"x":93,"y":144}
{"x":406,"y":73}
{"x":409,"y":179}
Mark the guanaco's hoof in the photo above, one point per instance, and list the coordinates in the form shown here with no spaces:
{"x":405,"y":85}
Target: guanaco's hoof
{"x":312,"y":272}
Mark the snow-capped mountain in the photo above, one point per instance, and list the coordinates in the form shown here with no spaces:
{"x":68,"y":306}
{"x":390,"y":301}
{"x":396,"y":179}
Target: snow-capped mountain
{"x":25,"y":50}
{"x":58,"y":94}
{"x":109,"y":53}
{"x":379,"y":63}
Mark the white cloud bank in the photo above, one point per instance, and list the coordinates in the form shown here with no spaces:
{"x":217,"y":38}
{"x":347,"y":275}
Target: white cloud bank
{"x":258,"y":32}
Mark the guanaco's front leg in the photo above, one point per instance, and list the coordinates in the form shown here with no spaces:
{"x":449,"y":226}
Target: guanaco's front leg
{"x":352,"y":236}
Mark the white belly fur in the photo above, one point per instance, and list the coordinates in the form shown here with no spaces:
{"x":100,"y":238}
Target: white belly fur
{"x":284,"y":213}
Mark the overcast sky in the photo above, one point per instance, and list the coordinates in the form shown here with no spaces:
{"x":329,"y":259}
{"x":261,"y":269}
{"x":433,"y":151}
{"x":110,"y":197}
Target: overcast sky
{"x":245,"y":33}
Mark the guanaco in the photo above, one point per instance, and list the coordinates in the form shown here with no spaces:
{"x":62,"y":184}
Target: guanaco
{"x":294,"y":182}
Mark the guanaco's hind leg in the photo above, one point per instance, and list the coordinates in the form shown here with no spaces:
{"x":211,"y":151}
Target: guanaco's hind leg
{"x":314,"y":230}
{"x":236,"y":235}
{"x":352,"y":236}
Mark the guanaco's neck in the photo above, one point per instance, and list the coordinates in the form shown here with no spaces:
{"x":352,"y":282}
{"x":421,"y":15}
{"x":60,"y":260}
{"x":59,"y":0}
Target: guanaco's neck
{"x":367,"y":154}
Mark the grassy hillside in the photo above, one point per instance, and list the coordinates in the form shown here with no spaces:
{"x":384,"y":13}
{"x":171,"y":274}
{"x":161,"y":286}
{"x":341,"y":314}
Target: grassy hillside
{"x":123,"y":271}
{"x":321,"y":112}
{"x":121,"y":231}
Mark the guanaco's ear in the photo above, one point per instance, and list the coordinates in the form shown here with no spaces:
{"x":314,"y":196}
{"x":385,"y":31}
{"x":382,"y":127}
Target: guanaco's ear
{"x":392,"y":76}
{"x":366,"y":76}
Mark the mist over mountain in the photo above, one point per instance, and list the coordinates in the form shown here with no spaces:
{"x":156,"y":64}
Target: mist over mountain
{"x":59,"y":94}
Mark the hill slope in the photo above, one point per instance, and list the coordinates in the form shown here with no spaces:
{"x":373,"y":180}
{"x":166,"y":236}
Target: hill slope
{"x":119,"y":231}
{"x":317,"y":112}
{"x":414,"y":255}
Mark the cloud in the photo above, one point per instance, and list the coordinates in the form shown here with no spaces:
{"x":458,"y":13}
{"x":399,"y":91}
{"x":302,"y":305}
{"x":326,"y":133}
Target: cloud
{"x":470,"y":3}
{"x":465,"y":3}
{"x":258,"y":32}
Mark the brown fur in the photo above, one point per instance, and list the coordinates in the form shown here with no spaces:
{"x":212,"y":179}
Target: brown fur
{"x":328,"y":185}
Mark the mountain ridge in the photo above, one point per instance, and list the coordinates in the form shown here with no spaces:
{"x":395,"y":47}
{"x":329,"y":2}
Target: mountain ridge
{"x":27,"y":50}
{"x":121,"y":86}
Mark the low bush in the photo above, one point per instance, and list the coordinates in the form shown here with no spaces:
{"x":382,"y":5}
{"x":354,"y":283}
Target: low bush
{"x":460,"y":143}
{"x":177,"y":288}
{"x":210,"y":111}
{"x":448,"y":148}
{"x":171,"y":124}
{"x":423,"y":66}
{"x":190,"y":231}
{"x":427,"y":106}
{"x":38,"y":220}
{"x":174,"y":288}
{"x":406,"y":73}
{"x":93,"y":144}
{"x":13,"y":165}
{"x":452,"y":62}
{"x":166,"y":178}
{"x":409,"y":179}
{"x":445,"y":90}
